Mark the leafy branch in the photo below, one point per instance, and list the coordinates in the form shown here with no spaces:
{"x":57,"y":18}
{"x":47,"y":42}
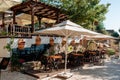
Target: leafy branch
{"x":9,"y":45}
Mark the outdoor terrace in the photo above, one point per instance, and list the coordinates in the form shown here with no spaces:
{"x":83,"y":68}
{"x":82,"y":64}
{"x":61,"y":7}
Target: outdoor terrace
{"x":32,"y":12}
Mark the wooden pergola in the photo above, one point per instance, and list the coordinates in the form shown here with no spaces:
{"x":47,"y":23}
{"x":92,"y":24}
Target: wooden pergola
{"x":40,"y":10}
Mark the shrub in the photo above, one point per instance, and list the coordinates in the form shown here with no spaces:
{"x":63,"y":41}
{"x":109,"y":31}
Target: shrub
{"x":110,"y":51}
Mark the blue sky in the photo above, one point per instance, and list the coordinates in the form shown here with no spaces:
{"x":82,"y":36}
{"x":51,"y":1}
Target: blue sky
{"x":113,"y":16}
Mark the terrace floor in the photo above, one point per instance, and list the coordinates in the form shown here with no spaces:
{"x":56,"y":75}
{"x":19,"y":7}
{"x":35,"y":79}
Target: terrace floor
{"x":110,"y":71}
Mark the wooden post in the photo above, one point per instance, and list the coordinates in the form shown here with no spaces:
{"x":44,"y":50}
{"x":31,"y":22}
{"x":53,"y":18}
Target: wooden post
{"x":57,"y":14}
{"x":32,"y":20}
{"x":3,"y":19}
{"x":39,"y":18}
{"x":14,"y":20}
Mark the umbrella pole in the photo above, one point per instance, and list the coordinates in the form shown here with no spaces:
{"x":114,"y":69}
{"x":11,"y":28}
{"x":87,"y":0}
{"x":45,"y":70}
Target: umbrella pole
{"x":66,"y":46}
{"x":65,"y":74}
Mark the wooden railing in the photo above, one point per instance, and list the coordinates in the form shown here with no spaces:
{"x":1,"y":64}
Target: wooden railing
{"x":15,"y":30}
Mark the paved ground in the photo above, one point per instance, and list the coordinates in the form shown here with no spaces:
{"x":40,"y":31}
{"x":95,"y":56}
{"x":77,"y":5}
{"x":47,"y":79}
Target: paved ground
{"x":7,"y":75}
{"x":110,"y":71}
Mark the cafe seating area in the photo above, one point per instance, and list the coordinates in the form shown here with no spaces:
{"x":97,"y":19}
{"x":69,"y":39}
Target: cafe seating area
{"x":28,"y":60}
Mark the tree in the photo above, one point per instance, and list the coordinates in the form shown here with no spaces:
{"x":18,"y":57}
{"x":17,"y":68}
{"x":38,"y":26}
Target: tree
{"x":85,"y":12}
{"x":100,"y":28}
{"x":115,"y":34}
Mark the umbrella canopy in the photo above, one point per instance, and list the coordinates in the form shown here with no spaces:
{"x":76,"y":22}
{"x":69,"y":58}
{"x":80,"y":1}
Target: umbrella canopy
{"x":6,"y":4}
{"x":67,"y":28}
{"x":101,"y":37}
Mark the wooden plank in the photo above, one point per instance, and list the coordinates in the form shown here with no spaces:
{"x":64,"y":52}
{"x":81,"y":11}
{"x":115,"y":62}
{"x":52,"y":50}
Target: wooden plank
{"x":32,"y":20}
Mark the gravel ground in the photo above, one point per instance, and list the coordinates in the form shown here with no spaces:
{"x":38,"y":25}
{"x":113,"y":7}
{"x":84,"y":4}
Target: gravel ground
{"x":110,"y":71}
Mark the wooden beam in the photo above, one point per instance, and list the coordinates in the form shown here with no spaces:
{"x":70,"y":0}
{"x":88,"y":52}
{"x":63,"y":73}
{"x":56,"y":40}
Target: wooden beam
{"x":32,"y":20}
{"x":20,"y":6}
{"x":39,"y":19}
{"x":3,"y":19}
{"x":57,"y":17}
{"x":40,"y":9}
{"x":14,"y":13}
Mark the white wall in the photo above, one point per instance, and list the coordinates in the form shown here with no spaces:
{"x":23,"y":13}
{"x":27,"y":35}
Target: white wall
{"x":28,"y":42}
{"x":3,"y":51}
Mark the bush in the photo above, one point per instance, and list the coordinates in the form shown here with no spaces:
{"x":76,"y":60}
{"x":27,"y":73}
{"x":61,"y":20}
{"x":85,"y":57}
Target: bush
{"x":110,"y":51}
{"x":3,"y":33}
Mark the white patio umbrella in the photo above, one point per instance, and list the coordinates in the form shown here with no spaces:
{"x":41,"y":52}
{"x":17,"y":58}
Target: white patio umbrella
{"x":67,"y":29}
{"x":101,"y":37}
{"x":6,"y":4}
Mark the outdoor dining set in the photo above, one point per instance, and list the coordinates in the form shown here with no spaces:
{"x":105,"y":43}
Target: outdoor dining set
{"x":33,"y":58}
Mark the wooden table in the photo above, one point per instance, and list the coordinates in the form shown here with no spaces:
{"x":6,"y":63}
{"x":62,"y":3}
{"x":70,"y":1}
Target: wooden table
{"x":55,"y":57}
{"x":93,"y":53}
{"x":75,"y":54}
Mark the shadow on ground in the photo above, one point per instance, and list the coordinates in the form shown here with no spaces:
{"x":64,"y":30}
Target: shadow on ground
{"x":110,"y":71}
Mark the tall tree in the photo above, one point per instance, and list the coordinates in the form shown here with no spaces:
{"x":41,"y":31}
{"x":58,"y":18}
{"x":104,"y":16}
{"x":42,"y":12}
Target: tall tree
{"x":85,"y":12}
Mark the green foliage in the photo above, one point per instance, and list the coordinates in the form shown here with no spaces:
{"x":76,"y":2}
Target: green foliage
{"x":115,"y":34}
{"x":3,"y":33}
{"x":9,"y":45}
{"x":110,"y":51}
{"x":100,"y":28}
{"x":104,"y":32}
{"x":83,"y":12}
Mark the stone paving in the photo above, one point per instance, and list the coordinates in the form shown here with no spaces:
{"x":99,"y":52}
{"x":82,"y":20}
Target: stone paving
{"x":110,"y":71}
